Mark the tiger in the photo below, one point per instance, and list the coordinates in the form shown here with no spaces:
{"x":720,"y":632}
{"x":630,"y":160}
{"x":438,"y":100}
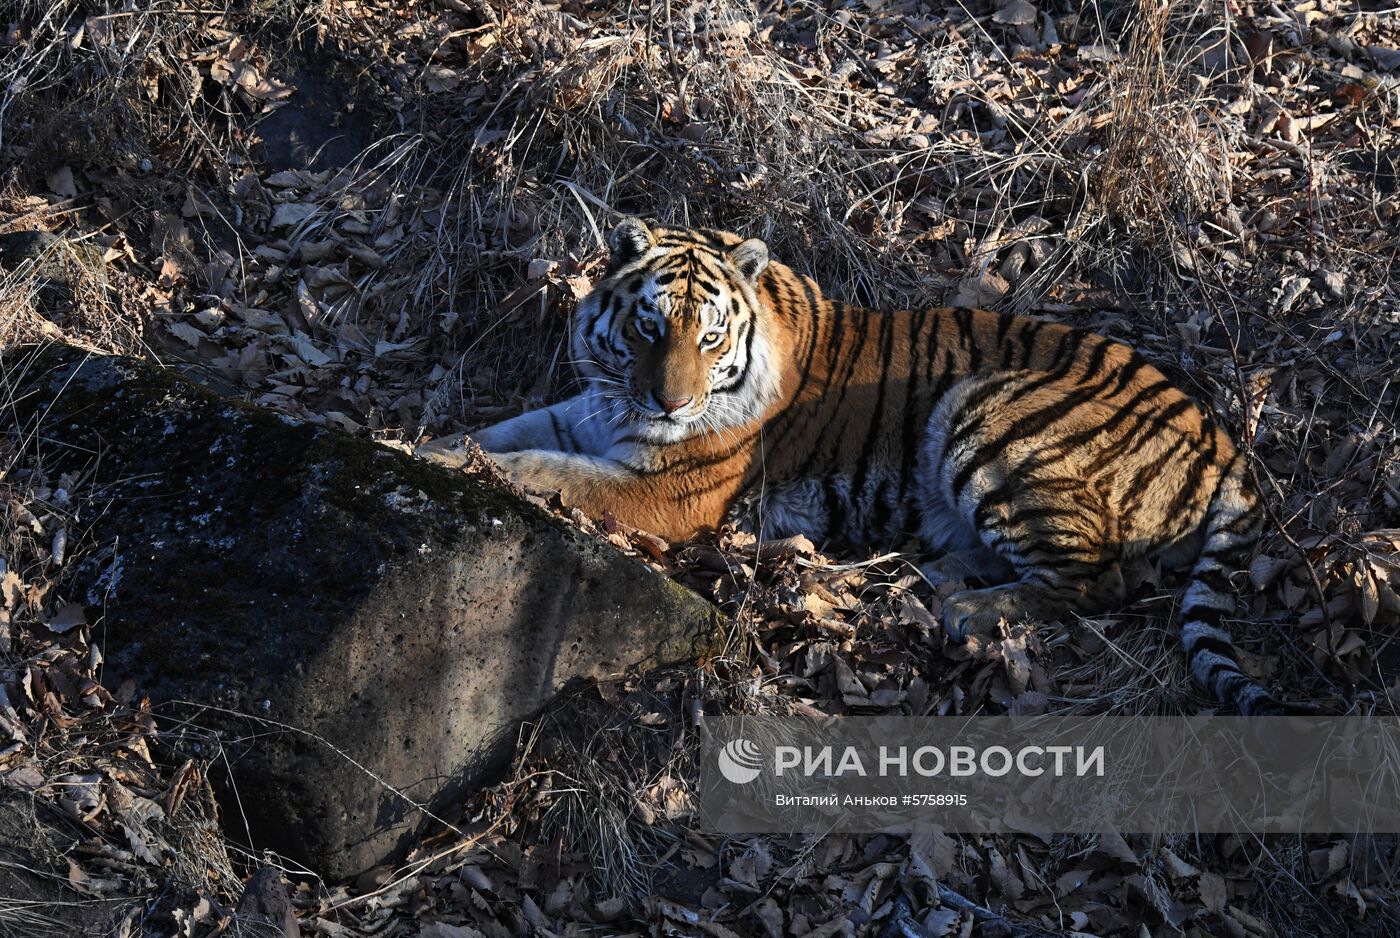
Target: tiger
{"x":720,"y":384}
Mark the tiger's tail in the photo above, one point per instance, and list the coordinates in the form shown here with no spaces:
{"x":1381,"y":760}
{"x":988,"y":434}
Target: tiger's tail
{"x":1233,"y":522}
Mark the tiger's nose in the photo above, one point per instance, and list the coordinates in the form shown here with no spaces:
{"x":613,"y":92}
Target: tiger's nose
{"x":671,"y":405}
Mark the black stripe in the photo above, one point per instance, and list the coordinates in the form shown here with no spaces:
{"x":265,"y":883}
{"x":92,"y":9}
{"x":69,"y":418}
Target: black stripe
{"x":843,"y":382}
{"x":987,"y":388}
{"x":1028,"y":341}
{"x":931,"y":349}
{"x":835,"y":508}
{"x":1195,"y":480}
{"x":1003,"y":324}
{"x":946,"y":378}
{"x":561,"y":430}
{"x":1208,"y":615}
{"x":883,"y":508}
{"x":698,"y":462}
{"x":1231,"y":686}
{"x":1057,"y":554}
{"x":911,"y":413}
{"x":1247,"y":524}
{"x":1004,"y":321}
{"x":1001,"y":495}
{"x":1041,"y":512}
{"x":962,"y":318}
{"x":1145,"y":425}
{"x":1096,"y":360}
{"x":1223,"y":671}
{"x":1212,"y":579}
{"x":1209,"y":643}
{"x":867,"y":451}
{"x":1135,"y":364}
{"x":967,"y":337}
{"x":1061,"y":347}
{"x":1025,"y":427}
{"x":791,"y":425}
{"x":1008,"y":491}
{"x":1137,"y":484}
{"x":709,"y":485}
{"x":1238,"y":686}
{"x":596,"y":329}
{"x":1075,"y":441}
{"x":751,"y":328}
{"x":743,"y":372}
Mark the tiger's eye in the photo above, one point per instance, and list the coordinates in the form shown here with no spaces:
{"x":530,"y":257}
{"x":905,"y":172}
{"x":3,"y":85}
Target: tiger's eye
{"x":711,"y":338}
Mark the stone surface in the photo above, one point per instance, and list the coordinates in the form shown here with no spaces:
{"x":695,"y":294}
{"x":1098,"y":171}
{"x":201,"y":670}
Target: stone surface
{"x":352,"y":619}
{"x":16,"y":247}
{"x":265,"y":908}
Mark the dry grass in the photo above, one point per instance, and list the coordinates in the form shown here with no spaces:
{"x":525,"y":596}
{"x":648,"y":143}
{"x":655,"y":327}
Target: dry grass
{"x":1160,"y":164}
{"x":63,"y":295}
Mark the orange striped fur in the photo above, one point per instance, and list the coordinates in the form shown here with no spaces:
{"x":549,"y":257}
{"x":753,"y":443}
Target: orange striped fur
{"x":1036,"y":457}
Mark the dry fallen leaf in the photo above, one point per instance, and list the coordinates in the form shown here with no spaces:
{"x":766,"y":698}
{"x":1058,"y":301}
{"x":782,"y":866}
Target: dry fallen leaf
{"x":60,"y":182}
{"x":1016,"y":13}
{"x":70,"y":616}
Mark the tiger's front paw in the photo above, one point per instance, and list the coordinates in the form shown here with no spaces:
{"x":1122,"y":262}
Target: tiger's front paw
{"x":977,"y":612}
{"x":522,"y":468}
{"x":542,"y":471}
{"x":976,"y":563}
{"x":499,"y":438}
{"x":455,"y":450}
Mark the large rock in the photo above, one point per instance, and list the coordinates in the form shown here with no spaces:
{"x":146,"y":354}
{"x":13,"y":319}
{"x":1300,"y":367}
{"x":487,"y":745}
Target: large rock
{"x":379,"y":625}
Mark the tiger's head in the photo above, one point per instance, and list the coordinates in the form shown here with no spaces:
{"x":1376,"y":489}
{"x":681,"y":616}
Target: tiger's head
{"x":674,"y":333}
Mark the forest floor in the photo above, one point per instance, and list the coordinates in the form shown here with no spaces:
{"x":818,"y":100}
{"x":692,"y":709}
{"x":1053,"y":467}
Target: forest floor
{"x":379,"y":215}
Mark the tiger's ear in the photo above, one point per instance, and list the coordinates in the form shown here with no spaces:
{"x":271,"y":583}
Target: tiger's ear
{"x":629,"y":241}
{"x":750,"y":258}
